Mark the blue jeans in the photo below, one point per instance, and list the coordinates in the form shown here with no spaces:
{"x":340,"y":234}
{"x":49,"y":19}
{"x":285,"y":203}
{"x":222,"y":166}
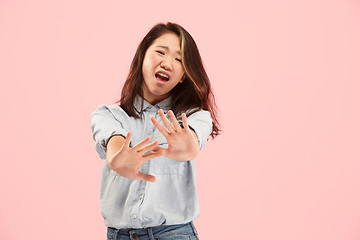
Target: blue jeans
{"x":166,"y":232}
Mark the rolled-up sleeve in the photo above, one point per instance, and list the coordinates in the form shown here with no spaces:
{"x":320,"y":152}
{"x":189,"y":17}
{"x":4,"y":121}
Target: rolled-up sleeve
{"x":201,"y":123}
{"x":104,"y":125}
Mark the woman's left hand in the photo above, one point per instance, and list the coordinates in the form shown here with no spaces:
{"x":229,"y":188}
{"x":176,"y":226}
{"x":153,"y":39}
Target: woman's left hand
{"x":182,"y":142}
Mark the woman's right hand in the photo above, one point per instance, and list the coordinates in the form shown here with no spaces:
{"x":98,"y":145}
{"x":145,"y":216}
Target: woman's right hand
{"x":128,"y":160}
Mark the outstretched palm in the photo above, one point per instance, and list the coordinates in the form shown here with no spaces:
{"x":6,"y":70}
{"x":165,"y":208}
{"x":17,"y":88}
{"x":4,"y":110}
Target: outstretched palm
{"x":182,"y":142}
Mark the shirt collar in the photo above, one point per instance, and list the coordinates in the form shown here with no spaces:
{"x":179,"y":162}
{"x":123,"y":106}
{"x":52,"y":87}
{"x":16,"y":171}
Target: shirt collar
{"x":164,"y":104}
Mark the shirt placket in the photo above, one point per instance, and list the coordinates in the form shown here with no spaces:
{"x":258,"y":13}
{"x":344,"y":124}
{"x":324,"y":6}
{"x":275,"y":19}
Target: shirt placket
{"x":136,"y":219}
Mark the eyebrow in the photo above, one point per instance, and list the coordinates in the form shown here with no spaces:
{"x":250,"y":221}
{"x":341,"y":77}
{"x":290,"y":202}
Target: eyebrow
{"x":167,"y":48}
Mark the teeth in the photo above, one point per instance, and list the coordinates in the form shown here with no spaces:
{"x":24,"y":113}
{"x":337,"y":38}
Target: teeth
{"x":163,"y":75}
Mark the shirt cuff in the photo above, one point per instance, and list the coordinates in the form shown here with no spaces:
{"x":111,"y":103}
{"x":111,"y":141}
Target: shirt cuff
{"x":201,"y":123}
{"x":101,"y":146}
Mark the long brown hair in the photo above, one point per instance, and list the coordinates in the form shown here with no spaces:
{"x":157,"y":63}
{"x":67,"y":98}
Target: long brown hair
{"x":193,"y":93}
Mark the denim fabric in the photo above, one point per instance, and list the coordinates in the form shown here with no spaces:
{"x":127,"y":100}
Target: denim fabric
{"x":170,"y":232}
{"x":172,"y":199}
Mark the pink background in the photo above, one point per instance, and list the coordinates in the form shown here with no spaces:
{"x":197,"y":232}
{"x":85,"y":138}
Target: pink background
{"x":286,"y":77}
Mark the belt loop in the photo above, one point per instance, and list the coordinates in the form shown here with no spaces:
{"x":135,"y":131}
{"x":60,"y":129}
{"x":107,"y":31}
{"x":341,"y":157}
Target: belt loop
{"x":115,"y":233}
{"x":150,"y":232}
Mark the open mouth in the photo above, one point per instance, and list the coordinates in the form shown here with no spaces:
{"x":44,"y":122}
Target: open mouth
{"x":162,"y":76}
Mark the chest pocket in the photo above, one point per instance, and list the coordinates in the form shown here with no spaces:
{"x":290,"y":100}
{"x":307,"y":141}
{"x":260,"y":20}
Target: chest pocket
{"x":166,"y":166}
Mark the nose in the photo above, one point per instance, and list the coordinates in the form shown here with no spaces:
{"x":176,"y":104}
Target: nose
{"x":166,"y":65}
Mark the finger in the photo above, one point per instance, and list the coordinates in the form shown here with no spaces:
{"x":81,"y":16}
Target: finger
{"x":152,"y":155}
{"x":160,"y":127}
{"x":146,"y":177}
{"x":148,"y":147}
{"x":185,"y":122}
{"x":127,"y":139}
{"x":142,"y":143}
{"x":166,"y":121}
{"x":174,"y":121}
{"x":157,"y":148}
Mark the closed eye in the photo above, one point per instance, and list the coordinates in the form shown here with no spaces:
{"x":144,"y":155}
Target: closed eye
{"x":162,"y":53}
{"x":178,"y":59}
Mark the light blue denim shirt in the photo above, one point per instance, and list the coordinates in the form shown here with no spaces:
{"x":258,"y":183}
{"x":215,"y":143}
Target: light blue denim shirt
{"x":128,"y":203}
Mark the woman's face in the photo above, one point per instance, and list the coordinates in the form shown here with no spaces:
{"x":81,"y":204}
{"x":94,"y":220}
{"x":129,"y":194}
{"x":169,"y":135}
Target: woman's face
{"x":162,"y":69}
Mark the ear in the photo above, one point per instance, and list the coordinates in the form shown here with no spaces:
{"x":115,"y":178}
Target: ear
{"x":183,"y":78}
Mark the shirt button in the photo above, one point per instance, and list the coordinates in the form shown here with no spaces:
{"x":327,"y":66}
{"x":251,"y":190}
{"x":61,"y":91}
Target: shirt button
{"x":134,"y":216}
